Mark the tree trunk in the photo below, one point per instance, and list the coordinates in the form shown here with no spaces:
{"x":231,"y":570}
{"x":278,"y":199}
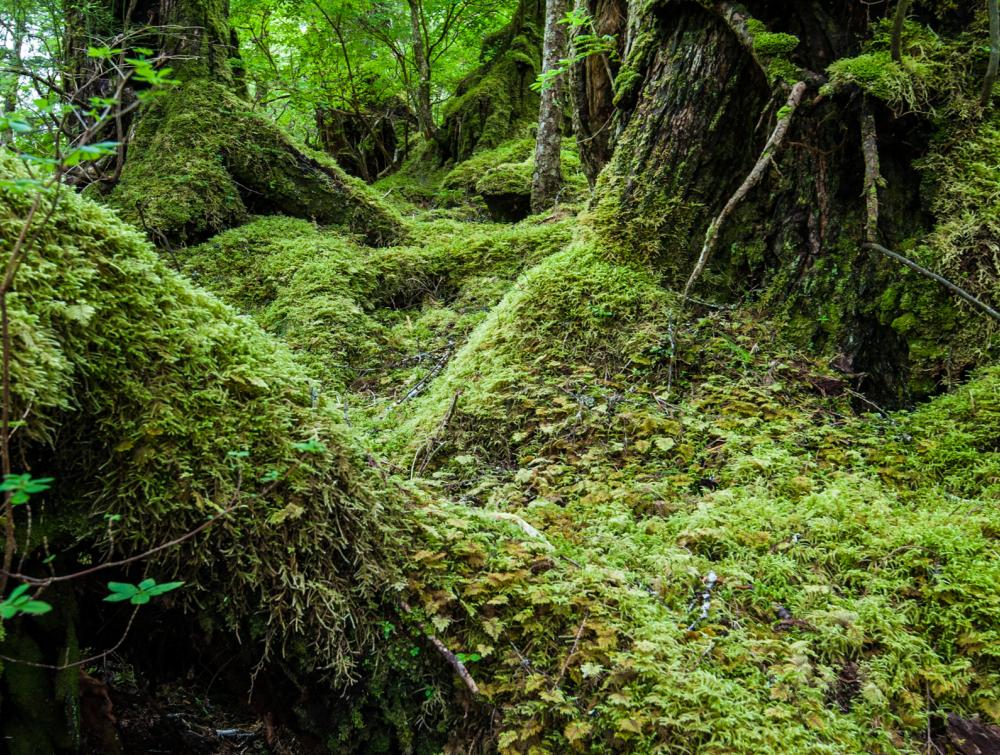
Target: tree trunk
{"x":547,"y":178}
{"x":425,"y":116}
{"x":694,"y":107}
{"x":591,"y":83}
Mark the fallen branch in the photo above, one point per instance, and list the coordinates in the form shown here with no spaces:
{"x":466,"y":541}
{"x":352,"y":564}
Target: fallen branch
{"x":773,"y":144}
{"x":873,"y":174}
{"x":991,"y":71}
{"x":957,"y":290}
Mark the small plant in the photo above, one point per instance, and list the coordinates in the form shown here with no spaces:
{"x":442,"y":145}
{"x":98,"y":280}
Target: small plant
{"x":586,"y":42}
{"x":138,"y":594}
{"x":22,"y":486}
{"x":19,"y":601}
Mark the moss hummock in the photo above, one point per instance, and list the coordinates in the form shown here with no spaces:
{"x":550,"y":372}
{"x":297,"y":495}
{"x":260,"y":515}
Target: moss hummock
{"x":202,"y":162}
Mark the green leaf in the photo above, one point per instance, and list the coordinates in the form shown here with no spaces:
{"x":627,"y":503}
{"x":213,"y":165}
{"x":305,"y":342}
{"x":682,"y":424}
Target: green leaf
{"x":146,"y":584}
{"x":35,"y":607}
{"x":165,"y":587}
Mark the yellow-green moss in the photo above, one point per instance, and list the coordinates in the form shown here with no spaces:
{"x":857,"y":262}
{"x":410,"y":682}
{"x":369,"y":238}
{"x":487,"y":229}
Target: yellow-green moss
{"x":202,"y":162}
{"x":149,"y":382}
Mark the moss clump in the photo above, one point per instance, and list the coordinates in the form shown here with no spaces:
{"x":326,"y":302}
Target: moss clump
{"x":344,"y":308}
{"x":149,"y":384}
{"x":202,"y":162}
{"x":774,"y":43}
{"x":573,"y":311}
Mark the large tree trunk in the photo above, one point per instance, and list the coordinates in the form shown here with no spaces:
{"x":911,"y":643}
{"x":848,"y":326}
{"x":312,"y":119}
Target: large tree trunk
{"x":547,"y":178}
{"x":694,"y":107}
{"x":202,"y":162}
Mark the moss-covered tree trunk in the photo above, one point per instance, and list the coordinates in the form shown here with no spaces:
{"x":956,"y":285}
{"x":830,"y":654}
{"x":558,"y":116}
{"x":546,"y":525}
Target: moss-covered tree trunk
{"x":201,"y":161}
{"x":700,"y":89}
{"x":495,"y":102}
{"x":547,"y":178}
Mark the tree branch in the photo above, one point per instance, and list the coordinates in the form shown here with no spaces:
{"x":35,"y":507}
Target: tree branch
{"x":991,"y":71}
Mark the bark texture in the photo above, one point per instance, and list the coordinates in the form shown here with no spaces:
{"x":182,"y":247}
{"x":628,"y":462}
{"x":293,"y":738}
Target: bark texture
{"x":547,"y":178}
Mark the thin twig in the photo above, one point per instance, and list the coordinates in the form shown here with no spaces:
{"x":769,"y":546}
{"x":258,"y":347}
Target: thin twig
{"x":82,"y":661}
{"x":131,"y":559}
{"x":955,"y":289}
{"x":873,"y":174}
{"x":572,"y":651}
{"x":902,"y":8}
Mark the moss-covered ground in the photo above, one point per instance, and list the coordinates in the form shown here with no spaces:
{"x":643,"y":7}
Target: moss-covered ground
{"x":645,"y":529}
{"x":640,"y":525}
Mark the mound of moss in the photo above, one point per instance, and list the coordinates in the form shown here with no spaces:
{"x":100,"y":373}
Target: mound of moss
{"x":345,"y":308}
{"x":715,"y":555}
{"x":156,"y":407}
{"x":202,"y":162}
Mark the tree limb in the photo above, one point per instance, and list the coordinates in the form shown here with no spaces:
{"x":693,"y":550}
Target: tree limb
{"x":773,"y":144}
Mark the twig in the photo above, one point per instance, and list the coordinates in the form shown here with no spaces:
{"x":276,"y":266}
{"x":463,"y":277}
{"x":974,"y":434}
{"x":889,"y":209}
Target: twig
{"x":572,"y":651}
{"x":131,"y":559}
{"x":754,"y":178}
{"x":449,"y":656}
{"x":957,"y":290}
{"x":82,"y":661}
{"x":432,"y":439}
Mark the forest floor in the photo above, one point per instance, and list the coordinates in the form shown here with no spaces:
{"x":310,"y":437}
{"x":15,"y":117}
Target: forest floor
{"x":638,"y":520}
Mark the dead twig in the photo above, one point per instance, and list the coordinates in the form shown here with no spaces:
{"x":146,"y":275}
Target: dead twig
{"x":955,"y":289}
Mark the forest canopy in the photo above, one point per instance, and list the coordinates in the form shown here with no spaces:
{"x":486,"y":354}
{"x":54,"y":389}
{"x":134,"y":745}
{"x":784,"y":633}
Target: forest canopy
{"x":514,"y":376}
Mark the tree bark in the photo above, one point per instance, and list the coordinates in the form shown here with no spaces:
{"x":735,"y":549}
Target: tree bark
{"x":547,"y":178}
{"x":425,"y":115}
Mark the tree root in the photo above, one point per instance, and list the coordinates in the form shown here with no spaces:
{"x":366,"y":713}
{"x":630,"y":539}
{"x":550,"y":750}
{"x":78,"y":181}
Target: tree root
{"x":873,"y":175}
{"x":756,"y":174}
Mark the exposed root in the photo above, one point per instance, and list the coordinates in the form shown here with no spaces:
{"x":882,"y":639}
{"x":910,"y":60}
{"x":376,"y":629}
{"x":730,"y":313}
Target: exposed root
{"x":873,"y":175}
{"x":773,"y":145}
{"x":957,"y":290}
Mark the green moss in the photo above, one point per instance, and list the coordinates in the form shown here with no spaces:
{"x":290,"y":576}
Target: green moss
{"x":496,"y":102}
{"x":771,"y":43}
{"x":152,"y":382}
{"x":202,"y":162}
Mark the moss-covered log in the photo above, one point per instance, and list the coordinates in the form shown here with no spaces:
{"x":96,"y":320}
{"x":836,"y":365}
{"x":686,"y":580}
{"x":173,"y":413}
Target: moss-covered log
{"x":201,"y":161}
{"x":155,"y":407}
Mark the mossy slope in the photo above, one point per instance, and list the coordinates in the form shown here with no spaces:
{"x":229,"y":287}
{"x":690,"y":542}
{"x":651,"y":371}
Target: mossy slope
{"x":162,"y":406}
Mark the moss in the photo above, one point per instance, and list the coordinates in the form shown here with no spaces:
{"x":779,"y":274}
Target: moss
{"x":495,"y":102}
{"x":772,"y":43}
{"x":572,"y":311}
{"x":150,"y":383}
{"x":336,"y":303}
{"x":202,"y":162}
